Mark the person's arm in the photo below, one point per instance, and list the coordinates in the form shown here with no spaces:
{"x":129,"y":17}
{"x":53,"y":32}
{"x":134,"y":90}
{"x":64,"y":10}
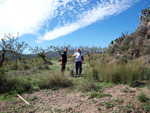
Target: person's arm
{"x":61,"y":62}
{"x":61,"y":59}
{"x":74,"y":55}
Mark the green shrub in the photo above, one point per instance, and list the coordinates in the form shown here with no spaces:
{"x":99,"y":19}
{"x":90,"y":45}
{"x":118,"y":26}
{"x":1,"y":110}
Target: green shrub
{"x":95,"y":94}
{"x":2,"y":78}
{"x":146,"y":107}
{"x":142,"y":97}
{"x":17,"y":85}
{"x":42,"y":83}
{"x":40,"y":67}
{"x":72,"y":72}
{"x":26,"y":66}
{"x":13,"y":66}
{"x":92,"y":74}
{"x":95,"y":74}
{"x":46,"y":67}
{"x":58,"y":80}
{"x":122,"y":59}
{"x":128,"y":109}
{"x":86,"y":85}
{"x":20,"y":85}
{"x":146,"y":50}
{"x":111,"y":50}
{"x":108,"y":104}
{"x":125,"y":44}
{"x":125,"y":89}
{"x":142,"y":29}
{"x":146,"y":73}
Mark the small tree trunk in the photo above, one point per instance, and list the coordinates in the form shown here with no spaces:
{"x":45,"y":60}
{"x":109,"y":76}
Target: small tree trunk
{"x":16,"y":64}
{"x":43,"y":57}
{"x":3,"y":57}
{"x":19,"y":57}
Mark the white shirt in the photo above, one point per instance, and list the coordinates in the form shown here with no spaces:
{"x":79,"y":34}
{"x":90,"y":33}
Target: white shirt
{"x":78,"y":57}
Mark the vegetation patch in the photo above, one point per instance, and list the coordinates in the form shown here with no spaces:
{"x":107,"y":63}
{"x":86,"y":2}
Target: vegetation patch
{"x":142,"y":97}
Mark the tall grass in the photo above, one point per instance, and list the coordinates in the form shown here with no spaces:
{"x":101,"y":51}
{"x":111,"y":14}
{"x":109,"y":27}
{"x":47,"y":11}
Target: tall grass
{"x":123,"y":73}
{"x":55,"y":80}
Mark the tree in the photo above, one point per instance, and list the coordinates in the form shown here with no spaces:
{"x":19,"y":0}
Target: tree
{"x":41,"y":52}
{"x":60,"y":49}
{"x":6,"y":46}
{"x":10,"y":44}
{"x":18,"y":48}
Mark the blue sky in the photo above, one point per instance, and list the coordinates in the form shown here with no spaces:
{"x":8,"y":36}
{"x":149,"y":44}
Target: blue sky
{"x":75,"y":22}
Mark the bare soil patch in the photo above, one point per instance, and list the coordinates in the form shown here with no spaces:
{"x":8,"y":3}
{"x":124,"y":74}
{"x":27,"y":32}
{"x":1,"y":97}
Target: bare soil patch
{"x":119,"y":98}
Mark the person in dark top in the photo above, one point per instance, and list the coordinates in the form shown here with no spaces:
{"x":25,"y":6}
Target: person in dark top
{"x":64,"y":59}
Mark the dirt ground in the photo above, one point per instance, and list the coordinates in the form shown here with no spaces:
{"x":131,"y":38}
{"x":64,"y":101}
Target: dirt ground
{"x":116,"y":99}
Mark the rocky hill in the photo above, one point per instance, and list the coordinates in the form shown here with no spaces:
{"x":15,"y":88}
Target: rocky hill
{"x":129,"y":47}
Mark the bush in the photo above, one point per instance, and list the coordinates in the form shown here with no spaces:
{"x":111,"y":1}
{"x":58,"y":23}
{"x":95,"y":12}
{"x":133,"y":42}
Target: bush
{"x":146,"y":50}
{"x":58,"y":80}
{"x":142,"y":97}
{"x":42,"y":83}
{"x":125,"y":45}
{"x":146,"y":107}
{"x":46,"y":67}
{"x":86,"y":85}
{"x":146,"y":73}
{"x":92,"y":74}
{"x":142,"y":29}
{"x":13,"y":66}
{"x":95,"y":94}
{"x":108,"y":104}
{"x":2,"y":78}
{"x":26,"y":66}
{"x":122,"y":59}
{"x":40,"y":67}
{"x":17,"y":85}
{"x":111,"y":50}
{"x":128,"y":109}
{"x":138,"y":40}
{"x":122,"y":73}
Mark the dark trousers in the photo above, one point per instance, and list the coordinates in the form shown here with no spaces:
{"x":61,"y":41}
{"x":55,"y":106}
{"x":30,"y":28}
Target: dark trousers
{"x":63,"y":67}
{"x":78,"y":67}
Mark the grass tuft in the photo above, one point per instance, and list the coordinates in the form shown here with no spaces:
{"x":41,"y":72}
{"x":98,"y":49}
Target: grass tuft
{"x":142,"y":97}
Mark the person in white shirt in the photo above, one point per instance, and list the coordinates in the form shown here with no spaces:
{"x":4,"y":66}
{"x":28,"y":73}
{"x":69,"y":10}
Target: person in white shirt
{"x":78,"y":61}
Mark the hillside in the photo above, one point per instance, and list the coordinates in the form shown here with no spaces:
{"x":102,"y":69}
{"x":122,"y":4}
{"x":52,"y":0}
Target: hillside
{"x":135,"y":45}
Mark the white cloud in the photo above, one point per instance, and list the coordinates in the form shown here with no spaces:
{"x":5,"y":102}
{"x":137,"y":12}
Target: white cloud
{"x":25,"y":16}
{"x":29,"y":16}
{"x":103,"y":9}
{"x":61,"y":31}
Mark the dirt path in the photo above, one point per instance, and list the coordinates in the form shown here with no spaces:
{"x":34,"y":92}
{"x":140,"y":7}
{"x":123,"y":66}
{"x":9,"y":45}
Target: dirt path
{"x":115,"y":99}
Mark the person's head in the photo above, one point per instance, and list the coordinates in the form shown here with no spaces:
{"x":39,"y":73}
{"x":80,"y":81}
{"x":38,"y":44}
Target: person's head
{"x":65,"y":49}
{"x":78,"y":49}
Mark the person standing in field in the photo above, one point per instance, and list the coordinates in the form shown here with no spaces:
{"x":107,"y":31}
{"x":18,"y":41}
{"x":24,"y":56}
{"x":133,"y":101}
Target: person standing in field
{"x":78,"y":61}
{"x":64,"y":59}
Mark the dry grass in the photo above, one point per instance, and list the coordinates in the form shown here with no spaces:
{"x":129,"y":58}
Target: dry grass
{"x":58,"y":80}
{"x":122,"y":73}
